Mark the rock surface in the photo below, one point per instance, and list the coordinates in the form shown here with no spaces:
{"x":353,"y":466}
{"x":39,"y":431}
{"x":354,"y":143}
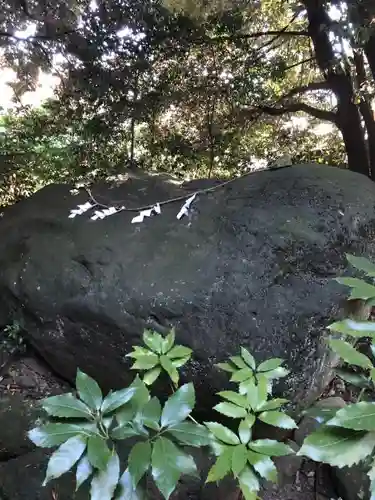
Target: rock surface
{"x":252,"y":265}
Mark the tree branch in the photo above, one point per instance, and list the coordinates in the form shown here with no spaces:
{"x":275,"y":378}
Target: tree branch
{"x":321,"y":114}
{"x":259,"y":34}
{"x":323,"y":85}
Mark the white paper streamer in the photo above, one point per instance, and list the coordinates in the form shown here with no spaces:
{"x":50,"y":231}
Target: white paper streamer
{"x":155,"y":210}
{"x":185,"y":207}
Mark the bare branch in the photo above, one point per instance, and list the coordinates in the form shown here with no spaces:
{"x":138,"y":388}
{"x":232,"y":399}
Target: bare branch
{"x":321,"y":114}
{"x":323,"y":85}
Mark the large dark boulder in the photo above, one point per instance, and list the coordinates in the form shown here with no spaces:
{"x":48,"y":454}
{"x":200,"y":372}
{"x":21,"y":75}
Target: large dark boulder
{"x":252,"y":266}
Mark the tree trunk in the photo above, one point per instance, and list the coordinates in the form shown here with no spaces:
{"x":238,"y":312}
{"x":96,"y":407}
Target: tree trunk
{"x":348,"y":117}
{"x":370,"y":53}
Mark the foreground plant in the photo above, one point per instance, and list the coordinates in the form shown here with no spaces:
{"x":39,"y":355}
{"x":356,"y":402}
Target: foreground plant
{"x":347,"y":436}
{"x":87,"y":427}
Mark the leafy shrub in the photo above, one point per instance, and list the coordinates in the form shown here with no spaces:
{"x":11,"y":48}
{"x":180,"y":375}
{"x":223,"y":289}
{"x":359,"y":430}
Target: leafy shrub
{"x":87,"y":427}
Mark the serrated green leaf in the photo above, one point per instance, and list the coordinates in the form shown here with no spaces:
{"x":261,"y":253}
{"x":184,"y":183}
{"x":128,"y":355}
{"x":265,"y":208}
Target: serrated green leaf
{"x":349,"y":354}
{"x":168,"y":341}
{"x":321,"y":414}
{"x":230,"y":410}
{"x":235,"y":398}
{"x":89,"y":390}
{"x":270,"y":364}
{"x":179,"y":351}
{"x":354,"y":328}
{"x":372,"y":375}
{"x":105,"y":481}
{"x":139,"y":352}
{"x":356,"y":379}
{"x":362,"y":264}
{"x":98,"y":452}
{"x":64,"y":458}
{"x":248,"y":358}
{"x":239,"y":459}
{"x":249,"y":483}
{"x":125,"y":431}
{"x":168,"y":463}
{"x":190,"y":434}
{"x":277,"y":419}
{"x":358,"y":416}
{"x":83,"y":472}
{"x":167,"y":365}
{"x":241,"y":375}
{"x":139,"y":460}
{"x":359,"y":288}
{"x":222,"y":433}
{"x":146,"y":362}
{"x":50,"y":435}
{"x":263,"y":465}
{"x":127,"y":490}
{"x":270,"y":447}
{"x":153,"y":340}
{"x":221,"y":467}
{"x":150,"y":414}
{"x":252,"y":394}
{"x":272,"y":404}
{"x":227,"y":367}
{"x":244,"y":429}
{"x":238,"y":361}
{"x":116,"y":399}
{"x":151,"y":375}
{"x":178,"y":406}
{"x":337,"y":446}
{"x":66,"y":406}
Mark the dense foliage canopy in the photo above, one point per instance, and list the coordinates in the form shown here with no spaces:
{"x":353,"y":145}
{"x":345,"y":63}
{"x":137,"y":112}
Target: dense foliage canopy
{"x":189,"y":87}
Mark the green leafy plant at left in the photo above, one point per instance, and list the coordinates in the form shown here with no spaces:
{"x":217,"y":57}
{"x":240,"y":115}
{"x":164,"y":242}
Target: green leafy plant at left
{"x":87,"y":427}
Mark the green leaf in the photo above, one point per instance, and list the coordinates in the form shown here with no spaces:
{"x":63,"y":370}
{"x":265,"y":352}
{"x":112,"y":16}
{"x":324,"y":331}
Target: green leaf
{"x":221,"y":467}
{"x":84,"y":471}
{"x":98,"y":452}
{"x":139,"y":460}
{"x":125,"y":431}
{"x":150,"y":414}
{"x":249,"y":483}
{"x":167,"y":365}
{"x":372,"y":374}
{"x":362,"y":264}
{"x":139,"y":352}
{"x":127,"y":490}
{"x":270,"y":364}
{"x":116,"y":399}
{"x":359,"y":288}
{"x":50,"y":435}
{"x":270,"y":447}
{"x":263,"y":465}
{"x":151,"y":375}
{"x":354,"y":328}
{"x":190,"y":434}
{"x":230,"y":410}
{"x":238,"y":361}
{"x":66,"y":406}
{"x":178,"y":406}
{"x":63,"y":459}
{"x":105,"y":481}
{"x":235,"y":398}
{"x":178,"y":362}
{"x":338,"y":447}
{"x":321,"y":414}
{"x":349,"y":354}
{"x":168,"y":341}
{"x":153,"y":340}
{"x":356,"y":379}
{"x":146,"y":362}
{"x":89,"y":390}
{"x":241,"y":375}
{"x":227,"y":367}
{"x":248,"y":358}
{"x":277,"y":419}
{"x":222,"y":433}
{"x":272,"y":404}
{"x":179,"y":351}
{"x":244,"y":429}
{"x":239,"y":459}
{"x":256,"y":393}
{"x":358,"y":416}
{"x":168,"y":463}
